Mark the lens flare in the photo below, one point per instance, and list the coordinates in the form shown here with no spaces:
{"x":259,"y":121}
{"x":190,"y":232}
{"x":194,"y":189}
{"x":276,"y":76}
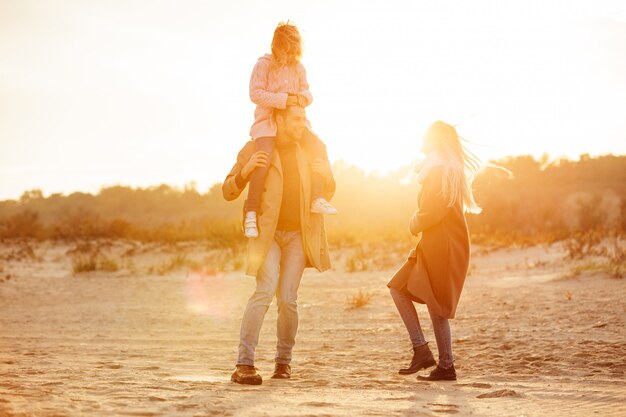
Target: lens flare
{"x":206,"y":295}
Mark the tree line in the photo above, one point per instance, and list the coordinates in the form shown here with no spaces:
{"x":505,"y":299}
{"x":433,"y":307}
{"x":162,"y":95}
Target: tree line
{"x":543,"y":201}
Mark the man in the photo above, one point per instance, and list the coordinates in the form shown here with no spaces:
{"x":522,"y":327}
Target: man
{"x":290,"y":236}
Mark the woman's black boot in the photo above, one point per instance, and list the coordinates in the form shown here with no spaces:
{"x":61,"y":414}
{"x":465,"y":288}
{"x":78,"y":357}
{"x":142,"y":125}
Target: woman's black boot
{"x":440,"y":374}
{"x":422,"y":359}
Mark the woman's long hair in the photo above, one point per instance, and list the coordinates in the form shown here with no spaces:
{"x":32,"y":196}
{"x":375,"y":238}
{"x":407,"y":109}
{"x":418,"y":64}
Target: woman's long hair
{"x":460,"y":165}
{"x":286,"y":45}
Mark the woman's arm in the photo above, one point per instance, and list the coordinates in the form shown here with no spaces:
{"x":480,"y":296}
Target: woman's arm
{"x":433,"y":206}
{"x":258,"y":84}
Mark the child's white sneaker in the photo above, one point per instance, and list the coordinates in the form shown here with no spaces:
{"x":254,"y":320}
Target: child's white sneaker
{"x":250,"y":229}
{"x":321,"y":206}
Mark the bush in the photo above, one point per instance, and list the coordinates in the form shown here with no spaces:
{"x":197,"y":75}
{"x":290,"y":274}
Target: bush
{"x":108,"y":265}
{"x":24,"y":224}
{"x":93,"y":262}
{"x":584,"y":243}
{"x":84,"y":264}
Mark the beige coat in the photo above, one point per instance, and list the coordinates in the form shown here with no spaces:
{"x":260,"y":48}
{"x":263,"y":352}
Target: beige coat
{"x":435,"y":272}
{"x":313,"y":231}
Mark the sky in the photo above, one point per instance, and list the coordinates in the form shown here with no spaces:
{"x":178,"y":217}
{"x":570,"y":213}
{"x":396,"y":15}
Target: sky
{"x":140,"y":93}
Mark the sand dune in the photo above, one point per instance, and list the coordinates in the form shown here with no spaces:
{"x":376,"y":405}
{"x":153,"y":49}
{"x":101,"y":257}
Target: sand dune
{"x":527,"y":342}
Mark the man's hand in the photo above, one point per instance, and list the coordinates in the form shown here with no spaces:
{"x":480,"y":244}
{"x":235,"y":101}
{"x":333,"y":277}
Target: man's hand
{"x":322,"y":167}
{"x":258,"y":159}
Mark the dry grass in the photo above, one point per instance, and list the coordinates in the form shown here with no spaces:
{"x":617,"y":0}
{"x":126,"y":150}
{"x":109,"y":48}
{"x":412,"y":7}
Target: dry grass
{"x":608,"y":254}
{"x":84,"y":264}
{"x":377,"y":256}
{"x":584,"y":243}
{"x":357,"y":261}
{"x":615,"y":270}
{"x":94,"y":262}
{"x":23,"y":253}
{"x":359,"y":300}
{"x":176,"y":262}
{"x":130,"y":266}
{"x":108,"y":265}
{"x":616,"y":255}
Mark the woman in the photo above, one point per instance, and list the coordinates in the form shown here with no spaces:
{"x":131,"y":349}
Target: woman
{"x":435,"y":271}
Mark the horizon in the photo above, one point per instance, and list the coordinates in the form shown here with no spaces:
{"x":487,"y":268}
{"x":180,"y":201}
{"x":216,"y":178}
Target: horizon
{"x":193,"y":185}
{"x":98,"y":95}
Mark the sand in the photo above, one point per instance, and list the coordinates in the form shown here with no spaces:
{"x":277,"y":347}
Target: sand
{"x":528,"y":339}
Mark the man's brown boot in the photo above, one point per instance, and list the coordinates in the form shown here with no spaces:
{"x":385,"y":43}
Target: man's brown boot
{"x":246,"y":374}
{"x":282,"y":371}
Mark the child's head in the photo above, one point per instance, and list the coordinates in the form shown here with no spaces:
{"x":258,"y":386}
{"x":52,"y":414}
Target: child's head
{"x":286,"y":45}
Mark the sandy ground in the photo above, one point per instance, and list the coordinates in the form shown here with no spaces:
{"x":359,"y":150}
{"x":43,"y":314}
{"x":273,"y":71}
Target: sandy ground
{"x":527,"y":342}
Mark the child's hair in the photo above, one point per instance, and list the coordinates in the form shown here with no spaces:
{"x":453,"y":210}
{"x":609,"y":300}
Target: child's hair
{"x":286,"y":45}
{"x":459,"y":163}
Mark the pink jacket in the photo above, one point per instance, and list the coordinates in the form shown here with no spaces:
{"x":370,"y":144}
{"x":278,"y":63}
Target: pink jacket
{"x":269,"y":89}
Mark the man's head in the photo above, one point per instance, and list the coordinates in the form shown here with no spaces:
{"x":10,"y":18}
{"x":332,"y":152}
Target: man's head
{"x":290,"y":122}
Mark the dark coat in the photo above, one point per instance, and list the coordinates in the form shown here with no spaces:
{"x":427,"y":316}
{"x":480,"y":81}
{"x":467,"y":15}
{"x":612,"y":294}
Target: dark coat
{"x":435,"y":272}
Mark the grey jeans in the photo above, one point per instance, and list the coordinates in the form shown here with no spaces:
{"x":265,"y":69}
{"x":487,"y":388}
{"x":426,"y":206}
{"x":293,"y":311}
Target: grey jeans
{"x":441,"y":327}
{"x":280,"y":275}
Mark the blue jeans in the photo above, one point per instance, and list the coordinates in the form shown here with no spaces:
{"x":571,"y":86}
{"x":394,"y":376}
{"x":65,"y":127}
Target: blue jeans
{"x":280,"y":275}
{"x":441,"y":327}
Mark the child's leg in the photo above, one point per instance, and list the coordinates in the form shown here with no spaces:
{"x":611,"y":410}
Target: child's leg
{"x":314,"y":145}
{"x":258,"y":176}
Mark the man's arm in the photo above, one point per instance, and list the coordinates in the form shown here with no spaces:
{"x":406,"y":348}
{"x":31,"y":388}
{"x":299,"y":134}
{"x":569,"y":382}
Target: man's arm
{"x":235,"y":181}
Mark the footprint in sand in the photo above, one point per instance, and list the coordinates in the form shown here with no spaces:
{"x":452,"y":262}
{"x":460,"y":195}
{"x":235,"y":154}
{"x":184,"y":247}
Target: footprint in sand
{"x":499,"y":394}
{"x":200,"y":378}
{"x":475,"y":385}
{"x":410,"y":398}
{"x":443,"y":408}
{"x":317,"y":404}
{"x":153,"y":398}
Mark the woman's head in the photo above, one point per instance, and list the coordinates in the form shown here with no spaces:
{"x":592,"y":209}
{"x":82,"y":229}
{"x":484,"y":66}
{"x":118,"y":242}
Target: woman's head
{"x":460,"y":166}
{"x":442,"y":137}
{"x":286,"y":45}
